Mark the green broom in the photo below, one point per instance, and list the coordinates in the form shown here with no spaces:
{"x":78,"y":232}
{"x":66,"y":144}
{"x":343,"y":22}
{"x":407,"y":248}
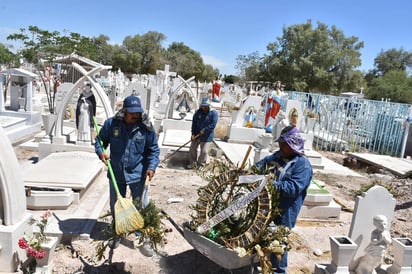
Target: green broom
{"x":127,"y":217}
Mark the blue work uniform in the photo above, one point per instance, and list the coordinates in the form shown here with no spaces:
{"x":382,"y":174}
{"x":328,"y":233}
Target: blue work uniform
{"x":292,"y":179}
{"x":133,"y":150}
{"x":206,"y":122}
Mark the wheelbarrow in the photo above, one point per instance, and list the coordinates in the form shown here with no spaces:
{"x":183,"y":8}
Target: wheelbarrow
{"x":221,"y":255}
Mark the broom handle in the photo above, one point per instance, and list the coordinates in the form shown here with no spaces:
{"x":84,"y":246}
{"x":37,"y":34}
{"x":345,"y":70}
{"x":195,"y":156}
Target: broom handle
{"x":109,"y":165}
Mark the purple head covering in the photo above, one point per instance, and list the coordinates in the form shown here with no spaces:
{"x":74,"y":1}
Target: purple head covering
{"x":291,"y":136}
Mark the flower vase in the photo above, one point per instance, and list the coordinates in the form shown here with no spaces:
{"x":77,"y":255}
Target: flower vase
{"x":342,"y":251}
{"x":49,"y":246}
{"x":310,"y":124}
{"x":48,"y":122}
{"x":402,"y":253}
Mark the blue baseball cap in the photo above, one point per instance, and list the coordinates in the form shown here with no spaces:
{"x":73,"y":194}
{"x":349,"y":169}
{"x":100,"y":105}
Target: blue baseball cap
{"x":205,"y":102}
{"x":132,"y":104}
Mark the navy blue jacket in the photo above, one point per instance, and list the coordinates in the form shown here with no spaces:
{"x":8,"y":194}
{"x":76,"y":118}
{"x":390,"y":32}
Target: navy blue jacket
{"x":292,"y":180}
{"x":132,"y":151}
{"x":206,"y":122}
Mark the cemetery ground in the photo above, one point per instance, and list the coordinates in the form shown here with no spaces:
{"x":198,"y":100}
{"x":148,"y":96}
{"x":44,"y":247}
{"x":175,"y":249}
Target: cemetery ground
{"x":310,"y":240}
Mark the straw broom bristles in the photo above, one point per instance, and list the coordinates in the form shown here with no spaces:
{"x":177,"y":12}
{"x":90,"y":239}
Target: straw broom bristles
{"x":127,"y":218}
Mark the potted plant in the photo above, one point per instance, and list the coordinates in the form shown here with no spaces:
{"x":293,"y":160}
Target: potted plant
{"x":38,"y":246}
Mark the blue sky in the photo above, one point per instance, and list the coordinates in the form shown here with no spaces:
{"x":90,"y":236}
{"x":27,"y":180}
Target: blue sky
{"x":219,"y":30}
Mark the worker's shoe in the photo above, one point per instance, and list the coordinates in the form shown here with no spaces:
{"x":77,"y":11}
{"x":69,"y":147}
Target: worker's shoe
{"x":190,"y":166}
{"x":114,"y":243}
{"x":146,"y":249}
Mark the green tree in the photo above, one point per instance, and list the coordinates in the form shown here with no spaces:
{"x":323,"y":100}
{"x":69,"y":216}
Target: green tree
{"x":126,"y":61}
{"x":250,"y":66}
{"x":41,"y":47}
{"x":231,"y":79}
{"x":7,"y":57}
{"x":311,"y":59}
{"x":184,"y":60}
{"x":105,"y":51}
{"x":392,"y":59}
{"x":394,"y":84}
{"x":147,"y":49}
{"x":209,"y":73}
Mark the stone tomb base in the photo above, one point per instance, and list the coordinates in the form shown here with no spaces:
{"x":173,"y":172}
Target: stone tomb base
{"x":75,"y":170}
{"x":49,"y":197}
{"x":319,"y":204}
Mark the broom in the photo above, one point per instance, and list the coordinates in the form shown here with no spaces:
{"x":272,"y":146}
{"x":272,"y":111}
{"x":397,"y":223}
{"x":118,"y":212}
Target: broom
{"x":127,"y":218}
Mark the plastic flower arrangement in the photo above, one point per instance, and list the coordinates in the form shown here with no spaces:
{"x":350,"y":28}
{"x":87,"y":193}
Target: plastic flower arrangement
{"x":32,"y":242}
{"x":236,"y":209}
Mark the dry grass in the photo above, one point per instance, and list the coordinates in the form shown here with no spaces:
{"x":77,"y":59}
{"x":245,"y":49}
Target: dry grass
{"x":221,"y":129}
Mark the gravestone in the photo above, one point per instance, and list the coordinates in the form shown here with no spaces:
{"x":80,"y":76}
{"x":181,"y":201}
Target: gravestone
{"x":13,"y":215}
{"x":295,"y":115}
{"x":180,"y":125}
{"x":376,"y":201}
{"x":26,"y":121}
{"x":137,"y":89}
{"x":21,"y":89}
{"x":164,"y":83}
{"x":238,"y":131}
{"x":61,"y":93}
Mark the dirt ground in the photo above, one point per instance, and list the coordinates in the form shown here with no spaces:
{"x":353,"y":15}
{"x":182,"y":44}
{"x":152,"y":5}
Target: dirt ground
{"x":177,"y":256}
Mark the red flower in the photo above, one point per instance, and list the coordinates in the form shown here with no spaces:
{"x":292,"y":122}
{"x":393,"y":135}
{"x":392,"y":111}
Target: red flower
{"x":31,"y":251}
{"x":23,"y":243}
{"x":40,"y":254}
{"x":32,"y":242}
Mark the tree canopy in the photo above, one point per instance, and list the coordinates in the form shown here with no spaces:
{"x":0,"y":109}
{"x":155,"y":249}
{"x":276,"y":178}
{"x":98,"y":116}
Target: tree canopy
{"x":392,"y":59}
{"x":7,"y":57}
{"x":311,"y":59}
{"x":394,"y":85}
{"x":317,"y":59}
{"x":143,"y":54}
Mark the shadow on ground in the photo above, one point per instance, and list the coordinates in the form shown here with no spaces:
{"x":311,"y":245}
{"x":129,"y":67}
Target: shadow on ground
{"x":191,"y":261}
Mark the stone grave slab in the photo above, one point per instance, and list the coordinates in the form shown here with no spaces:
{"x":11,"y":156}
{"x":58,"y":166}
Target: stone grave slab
{"x":176,"y":137}
{"x":74,"y":169}
{"x":49,"y":198}
{"x":236,"y":152}
{"x":9,"y":122}
{"x":317,"y":195}
{"x":398,"y":166}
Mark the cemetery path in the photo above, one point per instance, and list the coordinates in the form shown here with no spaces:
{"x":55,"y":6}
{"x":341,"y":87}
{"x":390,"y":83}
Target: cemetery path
{"x":178,"y":257}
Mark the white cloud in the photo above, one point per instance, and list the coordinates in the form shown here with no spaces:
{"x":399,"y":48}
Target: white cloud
{"x":221,"y":65}
{"x":215,"y":62}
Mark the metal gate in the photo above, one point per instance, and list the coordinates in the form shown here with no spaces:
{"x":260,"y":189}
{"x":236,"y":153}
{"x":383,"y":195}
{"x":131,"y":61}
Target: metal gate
{"x":355,"y":124}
